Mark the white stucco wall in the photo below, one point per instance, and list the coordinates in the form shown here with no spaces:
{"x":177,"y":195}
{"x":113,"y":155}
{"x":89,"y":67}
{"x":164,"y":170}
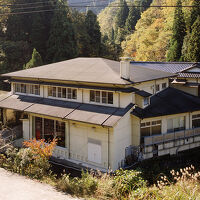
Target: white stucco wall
{"x":122,"y":139}
{"x":80,"y":134}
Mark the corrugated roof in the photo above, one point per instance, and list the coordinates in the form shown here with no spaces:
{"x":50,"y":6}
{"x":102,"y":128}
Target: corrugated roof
{"x":171,"y":67}
{"x":94,"y":70}
{"x":94,"y":114}
{"x":167,"y":102}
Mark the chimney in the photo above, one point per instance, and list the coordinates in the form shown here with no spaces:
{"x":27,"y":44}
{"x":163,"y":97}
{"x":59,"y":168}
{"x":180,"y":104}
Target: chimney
{"x":125,"y":67}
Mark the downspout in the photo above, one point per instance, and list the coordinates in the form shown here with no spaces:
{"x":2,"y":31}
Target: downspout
{"x":43,"y":90}
{"x":108,"y":148}
{"x":82,"y":95}
{"x":69,"y":139}
{"x":119,"y":100}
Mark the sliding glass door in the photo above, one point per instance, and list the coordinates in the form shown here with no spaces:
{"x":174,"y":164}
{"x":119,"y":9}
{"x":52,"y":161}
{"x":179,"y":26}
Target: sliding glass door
{"x":48,"y":129}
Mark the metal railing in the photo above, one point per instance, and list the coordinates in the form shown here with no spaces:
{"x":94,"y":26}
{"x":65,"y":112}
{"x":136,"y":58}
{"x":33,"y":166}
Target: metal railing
{"x":167,"y":137}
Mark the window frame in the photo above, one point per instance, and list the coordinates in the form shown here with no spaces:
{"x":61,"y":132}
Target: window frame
{"x":145,"y":104}
{"x":174,"y":128}
{"x":63,"y":93}
{"x":149,"y":125}
{"x":101,"y":97}
{"x":28,"y":89}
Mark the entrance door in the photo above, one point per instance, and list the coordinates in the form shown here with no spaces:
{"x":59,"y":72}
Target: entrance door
{"x":94,"y":152}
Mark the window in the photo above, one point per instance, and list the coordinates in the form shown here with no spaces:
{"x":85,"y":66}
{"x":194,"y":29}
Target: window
{"x":157,"y":88}
{"x":60,"y":92}
{"x":48,"y":129}
{"x":196,"y":121}
{"x":164,"y":85}
{"x":53,"y":91}
{"x":27,"y":88}
{"x":150,"y":128}
{"x":60,"y":133}
{"x":146,"y":101}
{"x":101,"y":97}
{"x":64,"y":92}
{"x":175,"y":124}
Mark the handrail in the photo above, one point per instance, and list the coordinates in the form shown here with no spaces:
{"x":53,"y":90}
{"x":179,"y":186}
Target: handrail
{"x":182,"y":134}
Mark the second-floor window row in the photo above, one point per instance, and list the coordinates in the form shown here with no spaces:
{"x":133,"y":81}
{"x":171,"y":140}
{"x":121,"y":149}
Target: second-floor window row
{"x":59,"y":92}
{"x":27,"y":88}
{"x":101,"y":97}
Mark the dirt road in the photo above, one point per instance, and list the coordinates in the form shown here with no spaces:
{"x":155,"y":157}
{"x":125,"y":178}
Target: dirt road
{"x":15,"y":187}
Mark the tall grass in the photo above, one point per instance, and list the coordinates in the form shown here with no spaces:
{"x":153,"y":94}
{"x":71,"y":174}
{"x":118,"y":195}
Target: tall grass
{"x":183,"y":184}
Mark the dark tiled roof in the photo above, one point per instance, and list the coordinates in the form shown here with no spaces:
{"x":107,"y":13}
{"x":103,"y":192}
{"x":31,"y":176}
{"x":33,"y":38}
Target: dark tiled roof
{"x":189,"y":75}
{"x":167,"y":102}
{"x":87,"y":113}
{"x":92,"y":70}
{"x":143,"y":93}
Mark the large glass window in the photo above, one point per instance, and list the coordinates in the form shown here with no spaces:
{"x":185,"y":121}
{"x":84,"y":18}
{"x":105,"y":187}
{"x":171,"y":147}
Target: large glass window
{"x":101,"y":97}
{"x":48,"y":129}
{"x":146,"y":101}
{"x":60,"y":92}
{"x":196,"y":121}
{"x":150,"y":128}
{"x":175,"y":124}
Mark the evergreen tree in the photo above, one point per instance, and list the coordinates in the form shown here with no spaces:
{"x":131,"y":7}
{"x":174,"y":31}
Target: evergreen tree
{"x":194,"y":42}
{"x":62,"y":42}
{"x":122,"y":14}
{"x":94,"y":35}
{"x":144,"y":4}
{"x":38,"y":37}
{"x":133,"y":17}
{"x":35,"y":61}
{"x":179,"y":32}
{"x":18,"y":27}
{"x":195,"y":12}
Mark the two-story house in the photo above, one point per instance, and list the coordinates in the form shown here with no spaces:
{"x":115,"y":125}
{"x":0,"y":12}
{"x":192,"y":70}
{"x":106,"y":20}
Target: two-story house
{"x":100,"y":110}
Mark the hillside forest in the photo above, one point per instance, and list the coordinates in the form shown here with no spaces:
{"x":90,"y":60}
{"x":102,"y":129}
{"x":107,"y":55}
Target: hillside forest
{"x":33,"y":33}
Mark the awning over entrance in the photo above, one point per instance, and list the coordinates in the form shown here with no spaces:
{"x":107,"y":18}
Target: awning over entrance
{"x":87,"y":113}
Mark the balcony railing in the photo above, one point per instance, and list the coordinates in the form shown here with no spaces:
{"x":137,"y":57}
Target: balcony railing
{"x":183,"y":134}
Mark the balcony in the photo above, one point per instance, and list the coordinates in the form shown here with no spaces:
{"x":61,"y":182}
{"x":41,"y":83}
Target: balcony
{"x":168,"y":137}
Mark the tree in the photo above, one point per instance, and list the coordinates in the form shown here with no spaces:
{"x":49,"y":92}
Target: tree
{"x":122,"y":14}
{"x":195,"y":12}
{"x":18,"y":27}
{"x":133,"y":17}
{"x":94,"y":34}
{"x":38,"y":35}
{"x":178,"y":33}
{"x":62,"y":41}
{"x":35,"y":61}
{"x":144,"y":4}
{"x":194,"y":42}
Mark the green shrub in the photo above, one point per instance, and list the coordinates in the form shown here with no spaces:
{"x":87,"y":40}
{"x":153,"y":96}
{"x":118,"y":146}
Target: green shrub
{"x":86,"y":185}
{"x":26,"y":163}
{"x":127,"y":180}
